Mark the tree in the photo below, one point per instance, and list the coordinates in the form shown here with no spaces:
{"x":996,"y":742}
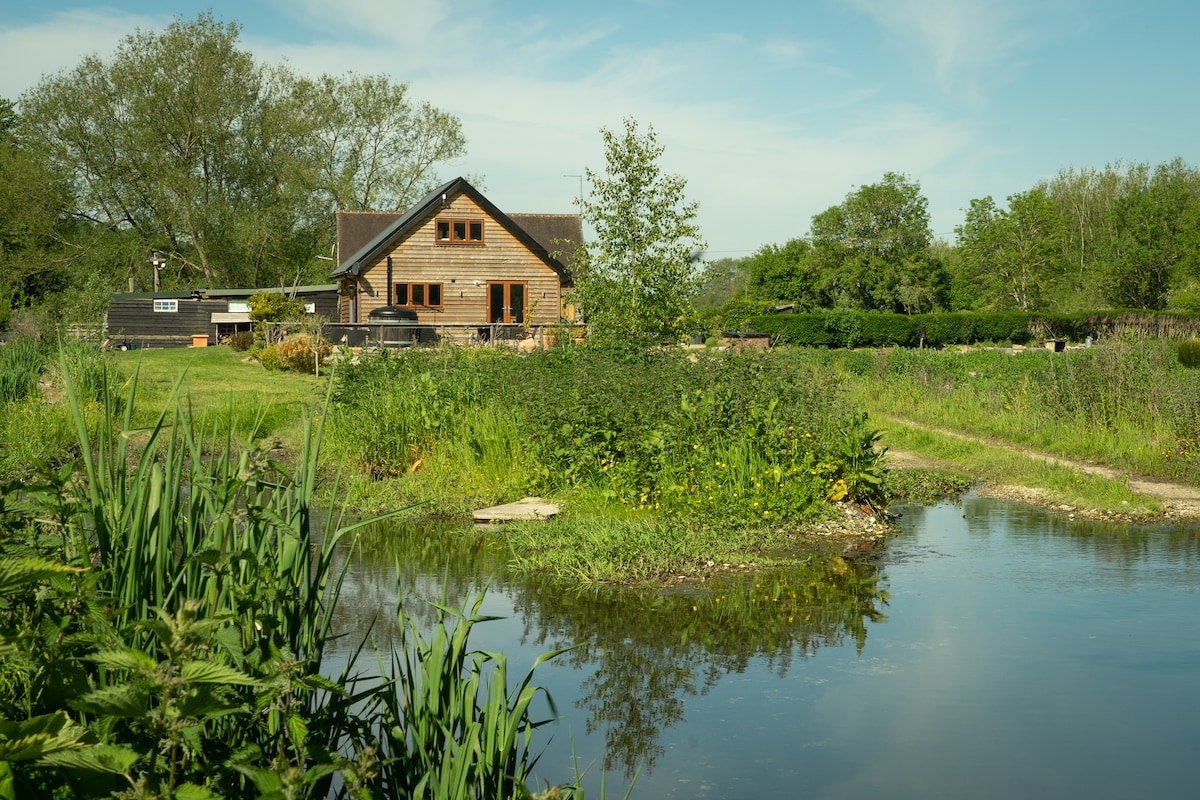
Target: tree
{"x":1156,"y":235}
{"x":871,"y":252}
{"x":375,"y":149}
{"x":30,"y":199}
{"x":720,"y":281}
{"x":1014,"y":255}
{"x":231,"y":169}
{"x":637,"y":274}
{"x":786,"y":274}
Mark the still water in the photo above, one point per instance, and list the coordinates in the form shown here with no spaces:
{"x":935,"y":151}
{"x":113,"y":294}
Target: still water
{"x":991,"y":651}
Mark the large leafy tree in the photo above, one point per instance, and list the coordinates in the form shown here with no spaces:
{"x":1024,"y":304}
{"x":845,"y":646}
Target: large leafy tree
{"x":1155,"y":236}
{"x":721,"y":281}
{"x":637,"y":275}
{"x":872,"y":250}
{"x":787,"y":273}
{"x":30,"y":197}
{"x":375,"y":147}
{"x":1014,"y":255}
{"x":232,"y":169}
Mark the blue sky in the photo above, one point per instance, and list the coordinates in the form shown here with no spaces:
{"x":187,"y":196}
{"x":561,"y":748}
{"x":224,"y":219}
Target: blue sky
{"x":772,"y":111}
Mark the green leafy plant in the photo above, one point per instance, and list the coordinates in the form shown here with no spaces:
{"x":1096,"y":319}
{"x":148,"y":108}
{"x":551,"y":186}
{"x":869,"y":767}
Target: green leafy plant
{"x":1188,"y":352}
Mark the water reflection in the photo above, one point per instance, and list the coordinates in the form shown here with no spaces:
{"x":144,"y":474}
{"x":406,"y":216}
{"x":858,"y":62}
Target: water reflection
{"x":681,"y":643}
{"x":641,"y":653}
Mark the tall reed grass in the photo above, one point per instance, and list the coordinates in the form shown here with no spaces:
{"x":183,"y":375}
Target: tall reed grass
{"x":165,"y":611}
{"x":21,"y":362}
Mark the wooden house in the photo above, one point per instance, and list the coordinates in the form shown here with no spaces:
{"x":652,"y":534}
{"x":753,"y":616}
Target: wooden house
{"x":201,"y":316}
{"x":461,"y":264}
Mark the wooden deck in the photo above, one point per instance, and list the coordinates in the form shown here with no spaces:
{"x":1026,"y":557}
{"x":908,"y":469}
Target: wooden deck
{"x":525,"y":508}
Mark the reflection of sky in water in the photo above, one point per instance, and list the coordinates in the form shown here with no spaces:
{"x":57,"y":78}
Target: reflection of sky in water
{"x":1022,"y":656}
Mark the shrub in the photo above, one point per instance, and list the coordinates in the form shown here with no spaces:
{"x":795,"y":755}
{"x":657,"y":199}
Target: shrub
{"x":274,"y":307}
{"x":242,"y":341}
{"x":302,"y":353}
{"x":1188,"y":352}
{"x":270,"y":358}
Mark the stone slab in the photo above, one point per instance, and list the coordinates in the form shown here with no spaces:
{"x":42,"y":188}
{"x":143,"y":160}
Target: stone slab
{"x":525,"y":508}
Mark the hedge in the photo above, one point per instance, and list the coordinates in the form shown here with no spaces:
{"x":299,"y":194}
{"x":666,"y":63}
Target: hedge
{"x":849,"y":328}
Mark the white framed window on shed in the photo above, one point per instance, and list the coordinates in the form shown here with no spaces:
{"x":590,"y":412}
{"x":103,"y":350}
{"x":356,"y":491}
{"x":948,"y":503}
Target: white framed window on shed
{"x":166,"y":305}
{"x":310,"y":308}
{"x":239,"y":307}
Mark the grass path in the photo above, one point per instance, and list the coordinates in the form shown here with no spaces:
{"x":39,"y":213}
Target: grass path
{"x":1175,"y":499}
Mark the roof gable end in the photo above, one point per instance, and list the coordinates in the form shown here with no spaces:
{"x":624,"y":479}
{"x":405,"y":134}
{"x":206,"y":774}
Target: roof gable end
{"x":354,"y":265}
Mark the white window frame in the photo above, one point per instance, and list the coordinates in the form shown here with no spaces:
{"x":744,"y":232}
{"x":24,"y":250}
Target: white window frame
{"x":310,"y":308}
{"x":238,"y":307}
{"x":168,"y":306}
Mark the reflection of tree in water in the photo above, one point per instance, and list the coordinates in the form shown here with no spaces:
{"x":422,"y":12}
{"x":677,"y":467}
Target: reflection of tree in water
{"x":427,"y":561}
{"x":651,"y":650}
{"x":648,"y":650}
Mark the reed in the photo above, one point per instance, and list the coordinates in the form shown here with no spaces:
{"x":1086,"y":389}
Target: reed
{"x":192,"y":620}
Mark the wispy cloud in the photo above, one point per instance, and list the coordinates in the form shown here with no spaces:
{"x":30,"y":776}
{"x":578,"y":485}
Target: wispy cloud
{"x":962,"y":41}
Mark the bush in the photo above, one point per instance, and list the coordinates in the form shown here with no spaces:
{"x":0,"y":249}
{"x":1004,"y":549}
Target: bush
{"x":1188,"y":352}
{"x":270,"y":358}
{"x":302,"y":353}
{"x":274,"y":307}
{"x":241,"y":341}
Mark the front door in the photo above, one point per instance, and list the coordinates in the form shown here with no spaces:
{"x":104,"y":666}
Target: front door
{"x":506,"y":302}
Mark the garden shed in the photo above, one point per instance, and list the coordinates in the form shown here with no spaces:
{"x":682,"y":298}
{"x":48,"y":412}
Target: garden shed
{"x":199,"y":316}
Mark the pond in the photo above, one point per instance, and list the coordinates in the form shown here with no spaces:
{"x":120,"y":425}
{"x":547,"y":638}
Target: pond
{"x":991,"y":650}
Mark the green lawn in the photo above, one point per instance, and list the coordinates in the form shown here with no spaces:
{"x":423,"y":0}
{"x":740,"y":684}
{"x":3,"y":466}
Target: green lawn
{"x":229,"y":384}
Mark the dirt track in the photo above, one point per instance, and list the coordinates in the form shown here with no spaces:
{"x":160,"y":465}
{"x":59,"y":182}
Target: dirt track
{"x":1178,"y":500}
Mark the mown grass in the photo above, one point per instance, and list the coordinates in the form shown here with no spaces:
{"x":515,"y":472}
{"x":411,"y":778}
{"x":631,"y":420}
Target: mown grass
{"x":997,"y":463}
{"x":224,"y":387}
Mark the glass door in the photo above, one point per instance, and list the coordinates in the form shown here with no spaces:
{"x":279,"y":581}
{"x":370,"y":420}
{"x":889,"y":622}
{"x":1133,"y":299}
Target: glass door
{"x":506,"y":302}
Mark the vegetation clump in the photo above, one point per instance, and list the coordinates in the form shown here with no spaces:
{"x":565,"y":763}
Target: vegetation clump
{"x":165,"y":614}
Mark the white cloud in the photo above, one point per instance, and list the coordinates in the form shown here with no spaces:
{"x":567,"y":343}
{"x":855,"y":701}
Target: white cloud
{"x":961,"y":39}
{"x":60,"y":43}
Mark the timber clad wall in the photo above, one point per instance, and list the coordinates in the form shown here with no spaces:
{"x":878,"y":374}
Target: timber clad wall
{"x":418,"y":258}
{"x":133,"y":320}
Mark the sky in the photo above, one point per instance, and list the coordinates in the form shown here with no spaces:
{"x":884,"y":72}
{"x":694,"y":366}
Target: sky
{"x":771,"y":111}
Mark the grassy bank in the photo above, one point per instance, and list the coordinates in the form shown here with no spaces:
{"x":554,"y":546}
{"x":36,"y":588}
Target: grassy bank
{"x":1130,"y":405}
{"x":662,"y":461}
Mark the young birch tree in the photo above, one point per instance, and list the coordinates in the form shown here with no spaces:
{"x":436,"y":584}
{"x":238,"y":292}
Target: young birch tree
{"x":637,"y":275}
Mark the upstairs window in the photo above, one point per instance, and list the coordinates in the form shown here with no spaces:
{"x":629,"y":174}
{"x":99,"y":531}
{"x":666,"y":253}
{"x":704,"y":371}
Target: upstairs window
{"x":459,"y":231}
{"x":418,"y":295}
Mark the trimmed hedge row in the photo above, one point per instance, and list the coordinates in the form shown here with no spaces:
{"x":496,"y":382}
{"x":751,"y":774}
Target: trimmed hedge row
{"x":848,"y":328}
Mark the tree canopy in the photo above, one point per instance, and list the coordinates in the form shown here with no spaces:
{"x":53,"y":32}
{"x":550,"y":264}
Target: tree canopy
{"x":182,"y":143}
{"x":637,"y":275}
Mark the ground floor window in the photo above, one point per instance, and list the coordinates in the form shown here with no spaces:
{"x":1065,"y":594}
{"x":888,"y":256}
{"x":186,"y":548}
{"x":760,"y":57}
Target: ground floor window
{"x":166,"y":305}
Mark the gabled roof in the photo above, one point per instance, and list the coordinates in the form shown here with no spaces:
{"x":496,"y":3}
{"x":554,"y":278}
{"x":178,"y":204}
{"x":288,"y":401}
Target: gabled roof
{"x":560,"y":234}
{"x":353,"y":265}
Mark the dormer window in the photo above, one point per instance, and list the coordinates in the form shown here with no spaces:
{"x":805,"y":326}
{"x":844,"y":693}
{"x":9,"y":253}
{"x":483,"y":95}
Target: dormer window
{"x":459,"y":231}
